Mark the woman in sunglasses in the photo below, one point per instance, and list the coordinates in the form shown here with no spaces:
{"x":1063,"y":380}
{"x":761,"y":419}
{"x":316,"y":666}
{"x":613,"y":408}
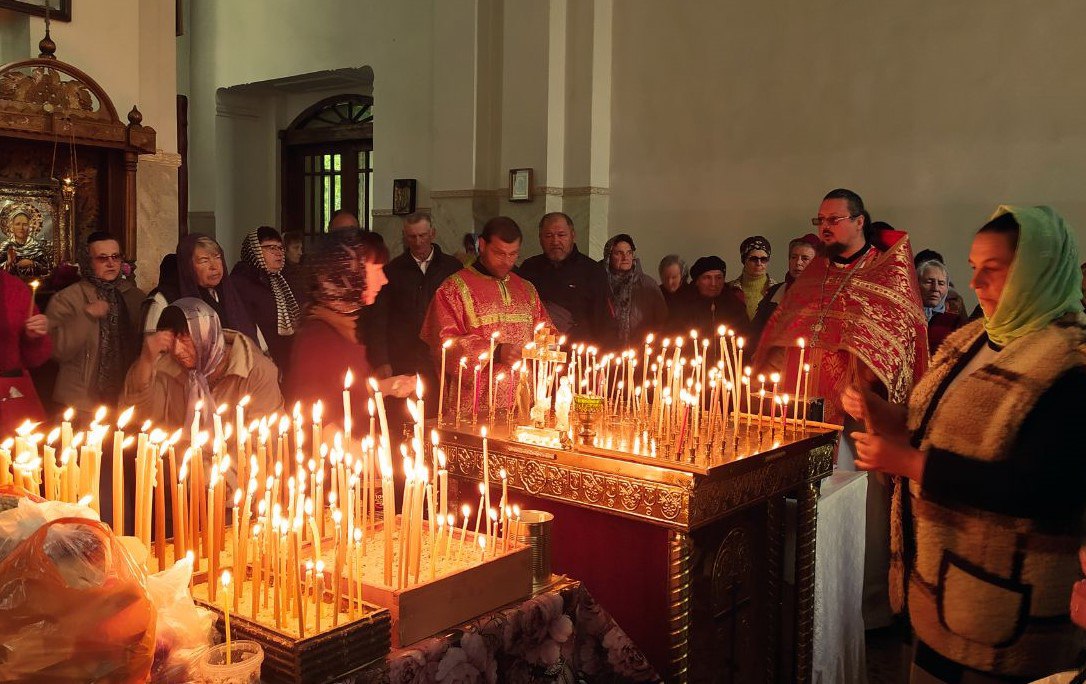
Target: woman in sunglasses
{"x":754,"y":282}
{"x":94,"y":324}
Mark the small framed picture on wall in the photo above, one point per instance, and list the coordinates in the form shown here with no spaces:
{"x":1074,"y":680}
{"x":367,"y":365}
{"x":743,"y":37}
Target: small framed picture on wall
{"x":403,"y":196}
{"x":520,"y":185}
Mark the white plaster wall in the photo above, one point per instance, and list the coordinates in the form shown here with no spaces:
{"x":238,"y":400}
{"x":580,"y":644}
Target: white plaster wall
{"x":734,"y":118}
{"x":249,"y":41}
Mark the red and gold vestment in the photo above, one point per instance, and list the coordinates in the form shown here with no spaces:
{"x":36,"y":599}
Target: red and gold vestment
{"x":866,"y":311}
{"x":467,"y":309}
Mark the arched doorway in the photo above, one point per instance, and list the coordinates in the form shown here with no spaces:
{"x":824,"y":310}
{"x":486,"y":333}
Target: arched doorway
{"x":327,"y":163}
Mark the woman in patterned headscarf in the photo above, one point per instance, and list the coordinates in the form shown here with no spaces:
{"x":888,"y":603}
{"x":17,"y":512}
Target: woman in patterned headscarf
{"x":754,"y":282}
{"x":345,"y":274}
{"x":263,"y":290}
{"x":190,"y":359}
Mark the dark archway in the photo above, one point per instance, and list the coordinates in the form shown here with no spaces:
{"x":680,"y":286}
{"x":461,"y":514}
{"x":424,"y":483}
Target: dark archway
{"x":327,"y":163}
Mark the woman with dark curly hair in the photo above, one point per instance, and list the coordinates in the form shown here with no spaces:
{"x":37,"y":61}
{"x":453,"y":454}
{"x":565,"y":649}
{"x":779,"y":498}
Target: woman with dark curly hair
{"x":345,"y":274}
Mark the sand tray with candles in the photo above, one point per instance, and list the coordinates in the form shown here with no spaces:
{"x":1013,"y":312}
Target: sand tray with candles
{"x":315,"y":657}
{"x":466,"y":582}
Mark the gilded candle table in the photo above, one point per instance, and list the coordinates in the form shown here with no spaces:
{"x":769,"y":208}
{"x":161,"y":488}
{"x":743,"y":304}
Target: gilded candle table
{"x":687,"y":553}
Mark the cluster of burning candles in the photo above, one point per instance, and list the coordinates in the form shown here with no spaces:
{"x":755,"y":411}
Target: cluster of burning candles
{"x":306,"y":523}
{"x":671,"y":392}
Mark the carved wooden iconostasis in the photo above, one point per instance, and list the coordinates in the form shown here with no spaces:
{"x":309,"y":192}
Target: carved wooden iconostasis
{"x":67,"y":166}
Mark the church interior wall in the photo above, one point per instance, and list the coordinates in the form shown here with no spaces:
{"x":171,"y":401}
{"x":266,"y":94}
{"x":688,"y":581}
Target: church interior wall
{"x":705,"y":120}
{"x":733,"y":119}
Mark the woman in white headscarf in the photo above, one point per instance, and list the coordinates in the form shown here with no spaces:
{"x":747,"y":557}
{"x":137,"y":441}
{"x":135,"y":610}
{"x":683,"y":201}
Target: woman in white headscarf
{"x":193,"y":359}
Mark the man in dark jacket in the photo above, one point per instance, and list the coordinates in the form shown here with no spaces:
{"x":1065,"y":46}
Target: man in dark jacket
{"x":573,"y":287}
{"x":396,"y":318}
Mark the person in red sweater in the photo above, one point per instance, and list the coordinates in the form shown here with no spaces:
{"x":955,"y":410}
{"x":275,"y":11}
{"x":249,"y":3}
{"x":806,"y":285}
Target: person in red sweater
{"x":24,"y":344}
{"x":344,"y":275}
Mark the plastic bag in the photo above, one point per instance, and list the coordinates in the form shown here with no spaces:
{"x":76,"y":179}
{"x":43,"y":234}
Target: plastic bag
{"x":74,"y":608}
{"x":24,"y":515}
{"x":183,"y":628}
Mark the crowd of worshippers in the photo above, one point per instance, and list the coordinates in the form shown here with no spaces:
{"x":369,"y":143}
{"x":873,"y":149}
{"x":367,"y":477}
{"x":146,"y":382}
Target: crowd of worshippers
{"x":974,"y":429}
{"x":283,"y":325}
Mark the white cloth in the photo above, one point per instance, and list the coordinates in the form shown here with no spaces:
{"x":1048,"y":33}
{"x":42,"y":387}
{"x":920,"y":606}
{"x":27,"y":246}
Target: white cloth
{"x":839,"y":571}
{"x":425,"y":263}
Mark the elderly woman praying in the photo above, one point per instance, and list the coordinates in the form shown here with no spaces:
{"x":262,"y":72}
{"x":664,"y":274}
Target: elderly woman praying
{"x":934,"y":287}
{"x":191,"y":359}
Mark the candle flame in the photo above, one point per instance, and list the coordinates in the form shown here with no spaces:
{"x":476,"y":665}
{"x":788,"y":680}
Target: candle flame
{"x":492,"y":514}
{"x":348,"y":379}
{"x":68,"y":414}
{"x":465,"y":510}
{"x":226,"y":577}
{"x":418,"y":386}
{"x":482,"y":431}
{"x":128,"y":442}
{"x":34,"y":284}
{"x":373,"y":385}
{"x":775,"y":377}
{"x":446,"y":344}
{"x":320,"y":567}
{"x":199,"y":405}
{"x":54,"y":434}
{"x":146,"y":425}
{"x":318,"y":411}
{"x":237,"y":497}
{"x":801,"y":342}
{"x":502,"y":474}
{"x":482,"y":488}
{"x":85,"y":501}
{"x":482,"y":542}
{"x":441,"y":459}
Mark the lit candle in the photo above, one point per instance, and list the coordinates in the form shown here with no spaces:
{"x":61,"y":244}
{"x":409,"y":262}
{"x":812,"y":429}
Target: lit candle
{"x":442,"y":484}
{"x":465,"y":510}
{"x":486,"y":472}
{"x":33,"y":293}
{"x":348,"y":379}
{"x":239,"y":427}
{"x":226,"y":612}
{"x":490,"y":361}
{"x":318,"y":595}
{"x":806,"y":386}
{"x":459,"y":382}
{"x":441,"y":390}
{"x":388,"y":508}
{"x":118,"y":471}
{"x":475,"y":391}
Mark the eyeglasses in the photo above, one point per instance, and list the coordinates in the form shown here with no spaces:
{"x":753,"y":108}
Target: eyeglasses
{"x":273,"y":248}
{"x":831,"y":220}
{"x":758,"y":259}
{"x":106,"y":258}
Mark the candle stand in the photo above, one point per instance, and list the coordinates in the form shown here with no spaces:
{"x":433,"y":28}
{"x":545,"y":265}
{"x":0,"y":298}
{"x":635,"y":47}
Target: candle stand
{"x":687,"y":551}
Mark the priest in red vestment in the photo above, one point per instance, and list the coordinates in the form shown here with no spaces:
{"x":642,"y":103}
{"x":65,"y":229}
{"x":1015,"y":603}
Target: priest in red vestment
{"x":474,"y":303}
{"x":857,"y":308}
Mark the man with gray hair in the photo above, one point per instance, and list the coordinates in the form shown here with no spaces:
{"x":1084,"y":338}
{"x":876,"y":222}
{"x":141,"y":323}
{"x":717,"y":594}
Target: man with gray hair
{"x":573,"y":287}
{"x":397,"y":315}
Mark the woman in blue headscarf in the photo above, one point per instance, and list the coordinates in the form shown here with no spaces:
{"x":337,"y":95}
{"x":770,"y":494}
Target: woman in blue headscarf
{"x":988,"y":511}
{"x":192,"y":359}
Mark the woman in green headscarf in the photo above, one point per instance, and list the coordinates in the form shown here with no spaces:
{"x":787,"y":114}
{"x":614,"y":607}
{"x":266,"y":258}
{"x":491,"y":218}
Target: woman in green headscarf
{"x":988,"y":511}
